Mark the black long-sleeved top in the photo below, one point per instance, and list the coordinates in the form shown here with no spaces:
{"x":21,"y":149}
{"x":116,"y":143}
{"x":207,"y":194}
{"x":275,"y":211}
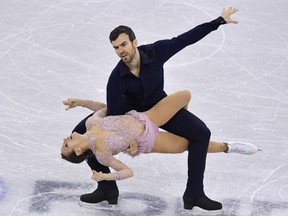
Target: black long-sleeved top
{"x":125,"y":91}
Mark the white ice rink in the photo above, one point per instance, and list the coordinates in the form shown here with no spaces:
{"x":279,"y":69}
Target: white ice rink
{"x":238,"y":75}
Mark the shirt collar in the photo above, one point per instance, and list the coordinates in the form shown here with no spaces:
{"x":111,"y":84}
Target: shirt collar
{"x":124,"y":70}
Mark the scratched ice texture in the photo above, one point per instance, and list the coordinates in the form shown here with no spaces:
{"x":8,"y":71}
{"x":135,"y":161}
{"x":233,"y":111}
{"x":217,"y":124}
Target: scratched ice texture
{"x":54,"y":49}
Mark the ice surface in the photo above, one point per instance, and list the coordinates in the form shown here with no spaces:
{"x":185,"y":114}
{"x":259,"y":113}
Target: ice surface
{"x":54,"y":49}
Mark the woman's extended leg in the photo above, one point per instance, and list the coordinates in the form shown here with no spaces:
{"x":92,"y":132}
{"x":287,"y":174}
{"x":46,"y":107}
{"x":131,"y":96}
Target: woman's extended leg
{"x":165,"y":109}
{"x":215,"y":147}
{"x":166,"y":142}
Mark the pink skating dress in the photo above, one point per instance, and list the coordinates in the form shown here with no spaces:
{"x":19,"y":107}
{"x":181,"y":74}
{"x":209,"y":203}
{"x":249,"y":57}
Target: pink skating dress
{"x":133,"y":126}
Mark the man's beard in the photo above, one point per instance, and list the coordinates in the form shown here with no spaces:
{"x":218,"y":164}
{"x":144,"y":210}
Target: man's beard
{"x":129,"y":57}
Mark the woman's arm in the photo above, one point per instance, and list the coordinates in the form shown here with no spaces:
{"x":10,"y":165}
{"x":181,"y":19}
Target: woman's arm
{"x":123,"y":171}
{"x":101,"y":113}
{"x":92,"y":105}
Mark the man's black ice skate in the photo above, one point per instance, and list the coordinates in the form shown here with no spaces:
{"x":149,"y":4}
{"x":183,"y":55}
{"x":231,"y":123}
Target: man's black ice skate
{"x":97,"y":196}
{"x":202,"y":202}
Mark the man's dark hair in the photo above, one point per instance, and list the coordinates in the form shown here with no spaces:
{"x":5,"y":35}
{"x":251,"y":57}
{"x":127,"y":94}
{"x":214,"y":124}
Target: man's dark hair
{"x":122,"y":29}
{"x":73,"y":158}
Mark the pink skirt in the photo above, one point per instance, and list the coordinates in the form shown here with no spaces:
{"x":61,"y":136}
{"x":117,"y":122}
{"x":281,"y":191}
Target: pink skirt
{"x":147,"y":138}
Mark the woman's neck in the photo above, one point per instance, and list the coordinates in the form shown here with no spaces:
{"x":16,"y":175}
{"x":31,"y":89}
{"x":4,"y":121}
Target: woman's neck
{"x":84,"y":142}
{"x":90,"y":140}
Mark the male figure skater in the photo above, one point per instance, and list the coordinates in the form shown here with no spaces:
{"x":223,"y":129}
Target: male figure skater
{"x":137,"y":83}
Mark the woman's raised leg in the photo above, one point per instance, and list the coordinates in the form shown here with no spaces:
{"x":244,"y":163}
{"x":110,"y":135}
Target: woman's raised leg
{"x":165,"y":109}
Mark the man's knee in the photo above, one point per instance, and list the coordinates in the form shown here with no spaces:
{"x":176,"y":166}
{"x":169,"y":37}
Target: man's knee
{"x":206,"y":133}
{"x":203,"y":135}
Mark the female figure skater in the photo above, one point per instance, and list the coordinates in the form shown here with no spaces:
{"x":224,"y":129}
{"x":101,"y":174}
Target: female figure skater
{"x":134,"y":133}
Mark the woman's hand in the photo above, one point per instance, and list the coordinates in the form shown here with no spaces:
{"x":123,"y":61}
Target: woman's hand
{"x":98,"y":176}
{"x":71,"y":103}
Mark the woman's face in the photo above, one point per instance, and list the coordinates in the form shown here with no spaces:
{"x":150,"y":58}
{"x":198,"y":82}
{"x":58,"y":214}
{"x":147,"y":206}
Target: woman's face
{"x":70,"y":144}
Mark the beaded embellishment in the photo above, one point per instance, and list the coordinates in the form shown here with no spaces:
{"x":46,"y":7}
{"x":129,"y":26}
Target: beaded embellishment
{"x":91,"y":140}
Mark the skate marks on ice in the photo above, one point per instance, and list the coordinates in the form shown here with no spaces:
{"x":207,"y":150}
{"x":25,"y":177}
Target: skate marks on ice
{"x":47,"y":192}
{"x":132,"y":204}
{"x":268,"y":196}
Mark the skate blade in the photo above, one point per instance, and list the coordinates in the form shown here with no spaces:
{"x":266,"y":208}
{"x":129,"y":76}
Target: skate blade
{"x":101,"y":206}
{"x":199,"y":211}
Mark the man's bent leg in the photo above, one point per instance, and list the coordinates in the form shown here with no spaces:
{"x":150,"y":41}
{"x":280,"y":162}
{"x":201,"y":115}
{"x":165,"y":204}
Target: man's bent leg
{"x":187,"y":125}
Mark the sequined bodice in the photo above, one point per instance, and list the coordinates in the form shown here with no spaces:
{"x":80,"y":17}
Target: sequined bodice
{"x":111,"y":135}
{"x":124,"y":129}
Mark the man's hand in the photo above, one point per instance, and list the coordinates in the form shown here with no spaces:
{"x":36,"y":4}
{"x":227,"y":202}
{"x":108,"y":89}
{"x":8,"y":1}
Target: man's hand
{"x":132,"y":149}
{"x":226,"y":14}
{"x":71,"y":103}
